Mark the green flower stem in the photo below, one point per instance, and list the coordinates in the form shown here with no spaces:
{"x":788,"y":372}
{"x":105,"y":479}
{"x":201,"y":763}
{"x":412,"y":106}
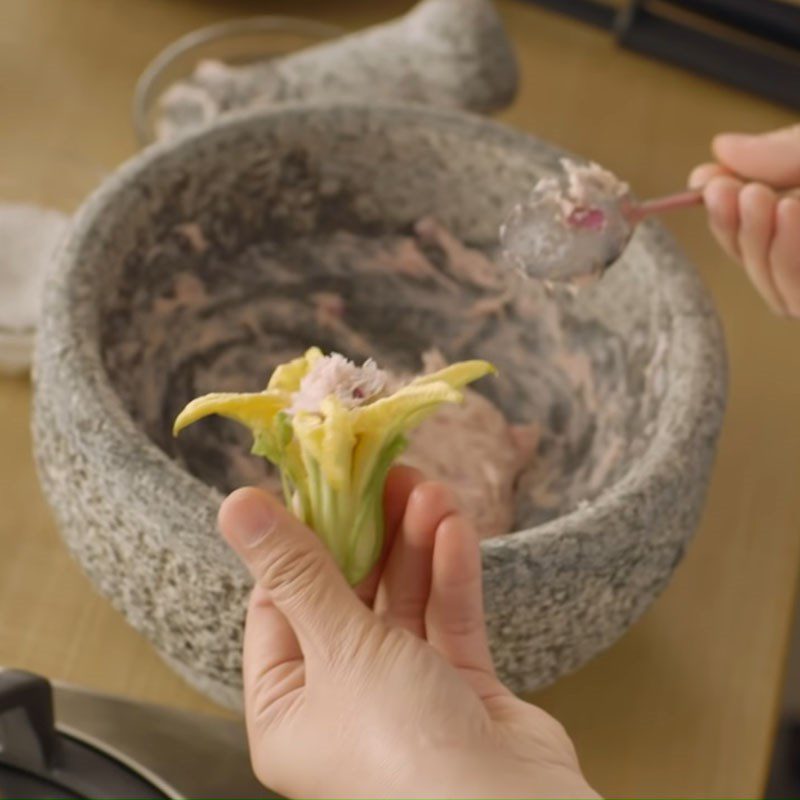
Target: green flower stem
{"x":349,"y":520}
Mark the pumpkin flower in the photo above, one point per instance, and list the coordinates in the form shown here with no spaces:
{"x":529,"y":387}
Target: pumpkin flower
{"x":334,"y":429}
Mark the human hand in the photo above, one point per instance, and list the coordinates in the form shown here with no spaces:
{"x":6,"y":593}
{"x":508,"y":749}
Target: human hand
{"x":387,"y":690}
{"x":752,"y":223}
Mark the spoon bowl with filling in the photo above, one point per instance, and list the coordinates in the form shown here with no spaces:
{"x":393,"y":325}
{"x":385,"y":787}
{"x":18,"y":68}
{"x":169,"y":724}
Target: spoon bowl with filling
{"x":570,"y":228}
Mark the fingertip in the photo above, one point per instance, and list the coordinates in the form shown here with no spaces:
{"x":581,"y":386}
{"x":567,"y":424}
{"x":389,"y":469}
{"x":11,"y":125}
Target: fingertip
{"x":785,"y":253}
{"x":721,"y":196}
{"x":246,"y":516}
{"x":755,"y":196}
{"x":400,"y":482}
{"x":457,"y":548}
{"x":756,"y":217}
{"x":428,"y":505}
{"x":725,"y":145}
{"x":238,"y":504}
{"x":702,"y":174}
{"x":788,"y":211}
{"x":772,"y":157}
{"x":757,"y":222}
{"x":722,"y":185}
{"x":696,"y":178}
{"x":433,"y":493}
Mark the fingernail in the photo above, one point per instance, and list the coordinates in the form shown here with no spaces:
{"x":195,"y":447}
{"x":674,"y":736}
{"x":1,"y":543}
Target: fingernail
{"x":695,"y":181}
{"x":724,"y":142}
{"x":249,"y":519}
{"x":733,"y":135}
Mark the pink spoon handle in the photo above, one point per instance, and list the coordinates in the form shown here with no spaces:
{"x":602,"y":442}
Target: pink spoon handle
{"x":671,"y":202}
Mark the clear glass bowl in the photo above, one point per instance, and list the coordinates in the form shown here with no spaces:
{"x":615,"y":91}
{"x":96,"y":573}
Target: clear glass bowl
{"x":238,"y":41}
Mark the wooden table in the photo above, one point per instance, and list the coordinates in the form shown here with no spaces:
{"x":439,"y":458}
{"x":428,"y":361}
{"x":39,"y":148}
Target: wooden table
{"x":685,"y":705}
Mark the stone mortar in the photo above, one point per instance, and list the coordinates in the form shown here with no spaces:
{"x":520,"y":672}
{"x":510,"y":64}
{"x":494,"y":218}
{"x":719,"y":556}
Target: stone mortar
{"x":193,"y":268}
{"x":447,"y":53}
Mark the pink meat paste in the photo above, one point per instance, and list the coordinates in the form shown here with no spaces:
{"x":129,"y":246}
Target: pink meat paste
{"x":474,"y":449}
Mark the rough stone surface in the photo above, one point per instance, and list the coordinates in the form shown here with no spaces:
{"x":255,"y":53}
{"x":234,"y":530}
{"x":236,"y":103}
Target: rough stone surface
{"x":193,"y":268}
{"x":448,"y":53}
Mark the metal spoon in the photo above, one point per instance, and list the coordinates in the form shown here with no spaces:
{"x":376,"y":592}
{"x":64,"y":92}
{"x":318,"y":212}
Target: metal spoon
{"x":553,"y":238}
{"x":636,"y":212}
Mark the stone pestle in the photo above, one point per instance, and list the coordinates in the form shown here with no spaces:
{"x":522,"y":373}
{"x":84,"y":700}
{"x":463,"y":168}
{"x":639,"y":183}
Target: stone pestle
{"x":449,"y":53}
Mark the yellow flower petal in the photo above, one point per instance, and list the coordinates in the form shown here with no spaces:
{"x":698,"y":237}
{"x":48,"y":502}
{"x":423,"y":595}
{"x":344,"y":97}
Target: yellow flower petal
{"x":328,"y":437}
{"x":257,"y":411}
{"x":309,"y":433}
{"x":370,"y":445}
{"x":287,"y":377}
{"x":291,"y":466}
{"x":404,"y":409}
{"x":457,"y":375}
{"x":337,"y":444}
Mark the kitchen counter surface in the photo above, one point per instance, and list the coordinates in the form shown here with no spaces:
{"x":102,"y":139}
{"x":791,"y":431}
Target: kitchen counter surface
{"x":685,"y":704}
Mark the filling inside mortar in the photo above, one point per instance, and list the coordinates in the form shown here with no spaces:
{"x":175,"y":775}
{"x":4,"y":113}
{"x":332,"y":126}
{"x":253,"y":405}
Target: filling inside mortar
{"x":190,"y":319}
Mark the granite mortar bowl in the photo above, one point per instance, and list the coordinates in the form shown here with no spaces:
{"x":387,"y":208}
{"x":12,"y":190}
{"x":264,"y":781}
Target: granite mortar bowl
{"x":200,"y":265}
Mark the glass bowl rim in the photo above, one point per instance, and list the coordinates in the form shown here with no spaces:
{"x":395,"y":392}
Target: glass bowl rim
{"x":143,"y":94}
